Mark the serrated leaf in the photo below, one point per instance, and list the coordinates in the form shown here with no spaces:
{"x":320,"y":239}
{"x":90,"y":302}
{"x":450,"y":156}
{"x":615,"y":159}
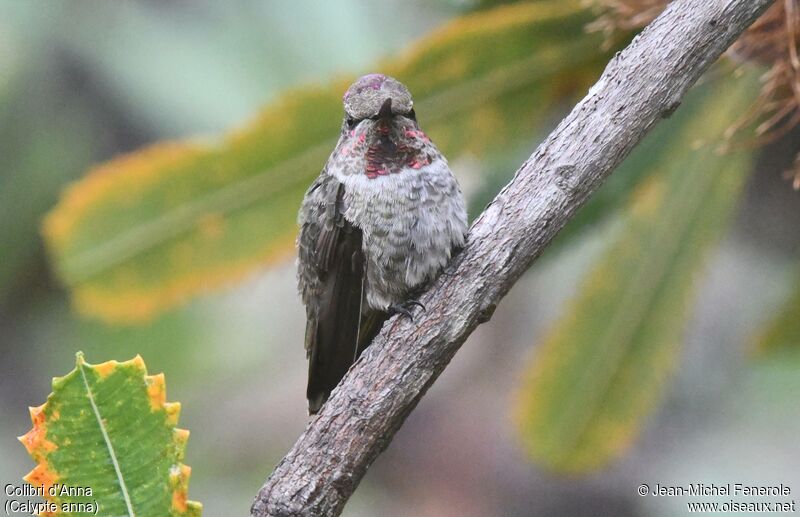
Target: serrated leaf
{"x":107,"y":436}
{"x":782,"y":334}
{"x":144,"y":232}
{"x":601,"y":368}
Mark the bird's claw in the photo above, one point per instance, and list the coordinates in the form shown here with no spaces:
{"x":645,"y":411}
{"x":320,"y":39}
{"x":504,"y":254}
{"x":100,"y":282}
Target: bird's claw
{"x":416,"y":303}
{"x":406,"y":308}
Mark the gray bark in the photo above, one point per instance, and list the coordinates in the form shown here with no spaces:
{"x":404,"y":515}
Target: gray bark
{"x":640,"y":86}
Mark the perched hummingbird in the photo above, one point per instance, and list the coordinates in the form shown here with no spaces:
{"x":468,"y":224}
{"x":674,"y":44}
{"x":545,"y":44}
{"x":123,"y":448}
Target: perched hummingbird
{"x":381,"y":220}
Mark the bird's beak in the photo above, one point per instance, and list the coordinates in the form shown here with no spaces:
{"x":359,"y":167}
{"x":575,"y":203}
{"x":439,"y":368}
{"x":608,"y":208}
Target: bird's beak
{"x":386,"y":109}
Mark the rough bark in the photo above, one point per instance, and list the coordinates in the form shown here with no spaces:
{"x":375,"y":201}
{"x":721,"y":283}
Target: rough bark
{"x":640,"y":86}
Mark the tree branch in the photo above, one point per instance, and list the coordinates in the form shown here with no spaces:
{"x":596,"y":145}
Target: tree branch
{"x":640,"y":86}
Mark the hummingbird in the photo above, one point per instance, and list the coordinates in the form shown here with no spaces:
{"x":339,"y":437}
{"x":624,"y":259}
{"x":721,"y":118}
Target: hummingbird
{"x":381,"y":221}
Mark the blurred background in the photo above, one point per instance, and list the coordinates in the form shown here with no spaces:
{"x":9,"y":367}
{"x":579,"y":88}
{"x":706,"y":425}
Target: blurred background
{"x":83,"y":82}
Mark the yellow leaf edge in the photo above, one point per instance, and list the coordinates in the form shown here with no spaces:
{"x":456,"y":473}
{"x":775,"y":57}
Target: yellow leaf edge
{"x":140,"y":306}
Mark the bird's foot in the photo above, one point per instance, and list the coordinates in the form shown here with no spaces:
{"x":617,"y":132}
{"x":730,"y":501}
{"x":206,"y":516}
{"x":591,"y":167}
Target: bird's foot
{"x":406,"y":308}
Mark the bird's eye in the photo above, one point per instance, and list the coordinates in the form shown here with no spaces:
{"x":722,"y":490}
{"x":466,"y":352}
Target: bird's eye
{"x":351,"y":122}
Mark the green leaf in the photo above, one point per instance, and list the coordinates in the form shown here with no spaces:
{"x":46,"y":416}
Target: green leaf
{"x":106,"y":436}
{"x":606,"y":201}
{"x":142,"y":233}
{"x":601,"y":369}
{"x":782,"y":334}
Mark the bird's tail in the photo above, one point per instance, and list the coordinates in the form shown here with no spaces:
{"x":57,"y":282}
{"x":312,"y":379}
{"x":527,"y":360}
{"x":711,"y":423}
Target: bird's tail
{"x":331,"y":358}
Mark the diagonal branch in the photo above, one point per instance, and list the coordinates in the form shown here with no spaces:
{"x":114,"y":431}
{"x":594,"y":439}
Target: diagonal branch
{"x":640,"y":86}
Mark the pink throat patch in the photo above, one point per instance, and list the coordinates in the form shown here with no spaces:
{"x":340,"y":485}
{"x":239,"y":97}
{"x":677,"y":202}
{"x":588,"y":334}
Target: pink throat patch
{"x":383,"y":159}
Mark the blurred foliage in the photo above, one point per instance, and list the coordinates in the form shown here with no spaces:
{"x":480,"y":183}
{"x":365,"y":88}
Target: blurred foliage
{"x":782,"y":334}
{"x":600,"y":371}
{"x":148,"y":230}
{"x":39,"y":141}
{"x":659,"y":146}
{"x":82,"y":82}
{"x":109,"y":427}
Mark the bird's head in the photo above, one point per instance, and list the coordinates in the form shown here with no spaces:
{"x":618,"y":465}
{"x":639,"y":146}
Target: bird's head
{"x":380,"y":131}
{"x":377,"y":97}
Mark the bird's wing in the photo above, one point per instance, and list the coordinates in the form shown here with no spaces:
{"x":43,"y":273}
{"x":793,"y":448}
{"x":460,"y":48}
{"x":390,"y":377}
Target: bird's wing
{"x":332,"y":280}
